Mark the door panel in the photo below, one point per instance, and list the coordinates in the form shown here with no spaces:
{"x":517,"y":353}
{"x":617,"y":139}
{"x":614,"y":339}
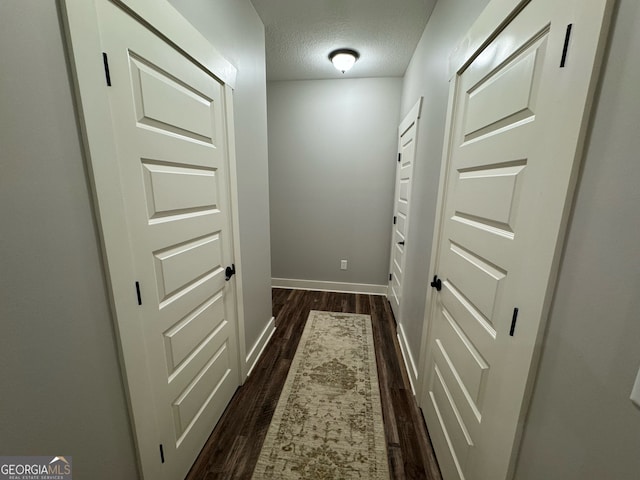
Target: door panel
{"x":183,"y":337}
{"x":198,"y":394}
{"x":173,"y":190}
{"x":489,"y":195}
{"x":461,"y":352}
{"x":509,"y":177}
{"x":168,"y":121}
{"x":168,"y":103}
{"x":179,"y":267}
{"x":455,"y":428}
{"x":506,"y":94}
{"x":476,"y":278}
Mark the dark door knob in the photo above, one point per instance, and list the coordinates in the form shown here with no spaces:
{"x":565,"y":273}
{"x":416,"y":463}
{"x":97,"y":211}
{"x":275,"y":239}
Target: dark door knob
{"x":401,"y":243}
{"x":437,"y":283}
{"x":229,"y":272}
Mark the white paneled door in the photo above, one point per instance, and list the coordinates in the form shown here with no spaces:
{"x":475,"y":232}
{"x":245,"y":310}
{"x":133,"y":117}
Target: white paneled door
{"x":177,"y":321}
{"x":404,"y":172}
{"x":517,"y":114}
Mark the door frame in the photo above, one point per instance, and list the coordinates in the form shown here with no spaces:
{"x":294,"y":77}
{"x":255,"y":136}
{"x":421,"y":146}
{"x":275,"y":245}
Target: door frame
{"x":410,"y":118}
{"x":497,"y":14}
{"x":81,"y":25}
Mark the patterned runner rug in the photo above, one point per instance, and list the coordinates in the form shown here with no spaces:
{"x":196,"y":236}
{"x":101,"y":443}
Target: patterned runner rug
{"x":328,"y":421}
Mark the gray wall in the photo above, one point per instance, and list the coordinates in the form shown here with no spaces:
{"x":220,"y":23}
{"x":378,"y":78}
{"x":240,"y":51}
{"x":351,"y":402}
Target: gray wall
{"x":332,"y":150}
{"x":61,"y":387}
{"x":581,"y":423}
{"x":236,"y":31}
{"x":427,"y":76}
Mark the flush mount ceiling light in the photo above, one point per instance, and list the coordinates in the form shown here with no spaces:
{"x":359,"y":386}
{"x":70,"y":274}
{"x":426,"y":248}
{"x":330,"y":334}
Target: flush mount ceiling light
{"x":343,"y":58}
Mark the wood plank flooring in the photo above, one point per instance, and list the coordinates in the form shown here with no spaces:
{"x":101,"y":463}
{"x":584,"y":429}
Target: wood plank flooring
{"x":233,"y":448}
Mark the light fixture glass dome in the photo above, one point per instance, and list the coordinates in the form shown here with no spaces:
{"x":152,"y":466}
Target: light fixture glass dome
{"x":343,"y":59}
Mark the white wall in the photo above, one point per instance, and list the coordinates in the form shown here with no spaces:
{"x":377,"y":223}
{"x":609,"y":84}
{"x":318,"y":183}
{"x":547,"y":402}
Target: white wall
{"x":332,"y":156}
{"x":427,"y":76}
{"x":581,"y":423}
{"x":61,"y":387}
{"x":235,"y":30}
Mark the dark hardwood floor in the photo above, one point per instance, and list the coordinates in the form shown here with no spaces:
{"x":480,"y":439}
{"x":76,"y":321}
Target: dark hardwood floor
{"x":233,"y":448}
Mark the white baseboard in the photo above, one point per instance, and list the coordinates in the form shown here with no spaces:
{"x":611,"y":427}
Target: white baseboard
{"x":323,"y":286}
{"x":408,"y":359}
{"x":261,"y":343}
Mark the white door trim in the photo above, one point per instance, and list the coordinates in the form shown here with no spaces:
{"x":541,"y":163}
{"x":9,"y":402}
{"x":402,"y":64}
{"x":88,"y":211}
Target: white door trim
{"x":496,"y":13}
{"x":83,"y":39}
{"x":245,"y":365}
{"x":410,"y":119}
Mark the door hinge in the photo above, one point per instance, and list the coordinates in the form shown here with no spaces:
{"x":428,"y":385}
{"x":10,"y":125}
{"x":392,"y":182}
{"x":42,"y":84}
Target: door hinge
{"x":107,"y":75}
{"x":513,"y":322}
{"x":399,"y":156}
{"x":161,"y":453}
{"x":395,"y":219}
{"x":565,"y":48}
{"x":138,"y":293}
{"x":390,"y":276}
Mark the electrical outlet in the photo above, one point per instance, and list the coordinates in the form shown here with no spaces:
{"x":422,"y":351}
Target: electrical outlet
{"x":343,"y":264}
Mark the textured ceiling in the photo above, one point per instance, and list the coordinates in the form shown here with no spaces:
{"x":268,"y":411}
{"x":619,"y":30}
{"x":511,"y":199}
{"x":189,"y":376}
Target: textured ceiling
{"x":301,"y":33}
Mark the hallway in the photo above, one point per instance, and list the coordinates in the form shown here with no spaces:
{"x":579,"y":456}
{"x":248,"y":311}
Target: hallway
{"x":234,"y":446}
